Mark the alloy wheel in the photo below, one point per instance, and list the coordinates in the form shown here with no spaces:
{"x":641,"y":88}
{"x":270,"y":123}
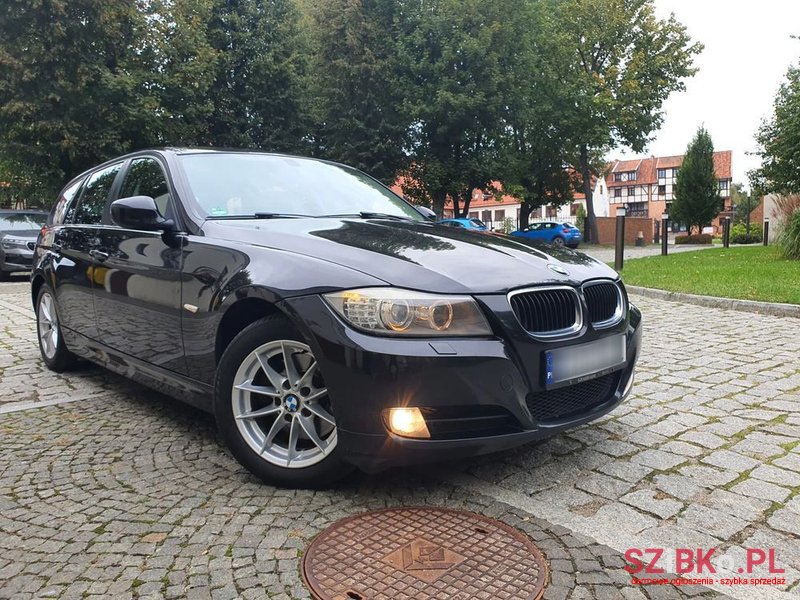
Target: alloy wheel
{"x":281,"y":405}
{"x":47,"y":324}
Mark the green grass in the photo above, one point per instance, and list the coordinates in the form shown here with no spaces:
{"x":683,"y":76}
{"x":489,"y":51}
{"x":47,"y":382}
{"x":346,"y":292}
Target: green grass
{"x":747,"y":273}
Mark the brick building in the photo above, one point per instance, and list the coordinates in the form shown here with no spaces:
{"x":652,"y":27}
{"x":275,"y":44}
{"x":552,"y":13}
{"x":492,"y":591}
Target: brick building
{"x":647,"y":185}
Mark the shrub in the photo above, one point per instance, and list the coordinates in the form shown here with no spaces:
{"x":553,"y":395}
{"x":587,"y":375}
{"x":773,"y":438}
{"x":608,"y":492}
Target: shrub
{"x":739,"y":233}
{"x":701,"y":238}
{"x":789,"y":239}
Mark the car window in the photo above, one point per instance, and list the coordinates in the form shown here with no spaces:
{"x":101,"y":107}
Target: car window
{"x":477,"y":222}
{"x":65,"y":205}
{"x":20,"y":221}
{"x":93,"y":200}
{"x":244,"y":184}
{"x":457,"y":224}
{"x":146,"y":178}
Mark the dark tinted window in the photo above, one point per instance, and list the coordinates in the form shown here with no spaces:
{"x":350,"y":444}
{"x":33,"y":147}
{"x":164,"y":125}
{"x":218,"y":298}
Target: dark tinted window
{"x":93,"y":200}
{"x":65,"y":205}
{"x":145,"y":178}
{"x":18,"y":221}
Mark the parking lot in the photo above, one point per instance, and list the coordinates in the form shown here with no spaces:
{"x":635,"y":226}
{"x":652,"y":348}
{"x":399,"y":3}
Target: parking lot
{"x":108,"y":489}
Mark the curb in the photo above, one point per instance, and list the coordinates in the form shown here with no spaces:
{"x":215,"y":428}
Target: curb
{"x":774,"y":309}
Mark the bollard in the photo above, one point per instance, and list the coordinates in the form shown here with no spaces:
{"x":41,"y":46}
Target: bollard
{"x":619,"y":248}
{"x":664,"y":235}
{"x":766,"y":232}
{"x":640,"y":239}
{"x":726,"y":232}
{"x":657,"y":234}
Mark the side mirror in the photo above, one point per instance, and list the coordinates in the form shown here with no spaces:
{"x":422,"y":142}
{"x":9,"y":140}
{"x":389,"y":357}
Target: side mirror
{"x":139,"y":212}
{"x":426,"y":212}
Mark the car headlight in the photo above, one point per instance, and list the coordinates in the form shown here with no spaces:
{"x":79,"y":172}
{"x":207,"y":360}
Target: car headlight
{"x":10,"y":243}
{"x":394,"y":311}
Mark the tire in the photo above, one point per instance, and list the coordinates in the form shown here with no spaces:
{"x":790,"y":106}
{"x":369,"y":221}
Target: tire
{"x":48,"y":331}
{"x":292,"y":441}
{"x":5,"y":276}
{"x":558,"y":242}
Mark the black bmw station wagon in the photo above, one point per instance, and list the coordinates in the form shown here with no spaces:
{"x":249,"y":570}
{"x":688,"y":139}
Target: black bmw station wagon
{"x":321,"y":318}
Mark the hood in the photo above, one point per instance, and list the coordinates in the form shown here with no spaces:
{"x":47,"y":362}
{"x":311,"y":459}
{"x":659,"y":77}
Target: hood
{"x":419,"y":255}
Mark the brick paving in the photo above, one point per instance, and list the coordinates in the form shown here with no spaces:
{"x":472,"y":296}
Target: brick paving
{"x":108,"y":489}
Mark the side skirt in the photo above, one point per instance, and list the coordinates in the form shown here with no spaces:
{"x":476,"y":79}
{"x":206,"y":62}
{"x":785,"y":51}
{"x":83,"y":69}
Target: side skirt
{"x":198,"y":394}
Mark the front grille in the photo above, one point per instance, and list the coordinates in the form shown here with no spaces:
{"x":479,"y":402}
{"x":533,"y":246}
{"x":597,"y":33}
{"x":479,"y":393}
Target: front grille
{"x":572,"y":400}
{"x":549,"y":311}
{"x":603,"y":301}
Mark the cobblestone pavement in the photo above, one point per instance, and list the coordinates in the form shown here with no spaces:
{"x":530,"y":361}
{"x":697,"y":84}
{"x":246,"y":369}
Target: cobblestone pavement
{"x":108,"y":489}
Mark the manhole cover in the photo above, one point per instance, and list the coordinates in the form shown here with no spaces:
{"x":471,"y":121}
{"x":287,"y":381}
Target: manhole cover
{"x":420,"y":553}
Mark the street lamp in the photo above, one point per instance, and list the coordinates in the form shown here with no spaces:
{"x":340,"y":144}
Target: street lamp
{"x":620,"y":242}
{"x":664,"y":224}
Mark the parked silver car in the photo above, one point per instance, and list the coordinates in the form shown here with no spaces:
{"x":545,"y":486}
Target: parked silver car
{"x":18,"y":231}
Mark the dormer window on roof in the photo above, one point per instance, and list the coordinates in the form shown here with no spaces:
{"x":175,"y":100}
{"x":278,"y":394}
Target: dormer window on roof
{"x":625,"y":176}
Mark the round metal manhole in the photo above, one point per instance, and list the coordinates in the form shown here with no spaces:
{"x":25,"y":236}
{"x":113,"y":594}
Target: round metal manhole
{"x":423,"y":553}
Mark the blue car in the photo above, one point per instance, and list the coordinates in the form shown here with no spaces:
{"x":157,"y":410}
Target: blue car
{"x":558,"y":234}
{"x":471,"y":224}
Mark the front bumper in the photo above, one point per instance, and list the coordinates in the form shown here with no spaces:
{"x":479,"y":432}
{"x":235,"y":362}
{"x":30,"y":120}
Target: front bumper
{"x":16,"y":259}
{"x":478,"y":395}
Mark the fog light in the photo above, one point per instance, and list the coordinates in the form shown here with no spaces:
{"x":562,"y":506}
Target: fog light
{"x":407,"y":422}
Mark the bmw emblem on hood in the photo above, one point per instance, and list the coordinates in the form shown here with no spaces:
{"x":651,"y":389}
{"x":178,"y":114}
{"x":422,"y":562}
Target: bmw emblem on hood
{"x":557,"y":269}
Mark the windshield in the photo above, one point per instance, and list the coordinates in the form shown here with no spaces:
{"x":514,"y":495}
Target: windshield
{"x":242,"y":185}
{"x":21,"y":221}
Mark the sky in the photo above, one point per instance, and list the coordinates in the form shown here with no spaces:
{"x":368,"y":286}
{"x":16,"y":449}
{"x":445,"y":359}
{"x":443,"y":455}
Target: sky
{"x":748,"y":50}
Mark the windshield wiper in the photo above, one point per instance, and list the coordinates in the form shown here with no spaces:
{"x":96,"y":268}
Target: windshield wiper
{"x":369,"y":215}
{"x":259,"y":215}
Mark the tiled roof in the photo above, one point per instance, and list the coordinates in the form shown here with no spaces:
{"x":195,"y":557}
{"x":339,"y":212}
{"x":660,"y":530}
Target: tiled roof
{"x":669,"y":162}
{"x":647,"y":172}
{"x":722,"y":164}
{"x":621,"y":166}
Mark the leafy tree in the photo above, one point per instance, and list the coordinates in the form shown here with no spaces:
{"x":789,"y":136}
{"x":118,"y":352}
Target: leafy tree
{"x":626,"y":62}
{"x":779,"y":140}
{"x":743,"y":203}
{"x":178,"y":68}
{"x":457,"y":57}
{"x":257,"y":98}
{"x":697,"y":199}
{"x":354,"y":81}
{"x":539,"y":134}
{"x":69,"y":95}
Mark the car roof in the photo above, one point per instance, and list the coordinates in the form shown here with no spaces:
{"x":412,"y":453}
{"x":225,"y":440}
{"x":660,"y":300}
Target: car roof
{"x":22,"y":211}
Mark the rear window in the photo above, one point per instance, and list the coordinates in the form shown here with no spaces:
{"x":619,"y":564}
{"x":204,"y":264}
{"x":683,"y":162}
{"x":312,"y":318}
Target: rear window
{"x":22,"y":221}
{"x":478,"y":222}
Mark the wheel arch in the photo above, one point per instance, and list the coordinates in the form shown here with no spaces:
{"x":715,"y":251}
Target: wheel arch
{"x":37,"y":281}
{"x":241,"y":313}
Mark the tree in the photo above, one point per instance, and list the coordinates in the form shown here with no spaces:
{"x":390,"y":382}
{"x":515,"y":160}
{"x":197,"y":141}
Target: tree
{"x":69,"y":95}
{"x":538,"y":135}
{"x":456,"y":57}
{"x":626,"y":62}
{"x":697,"y":199}
{"x":743,"y":203}
{"x":354,"y":81}
{"x":258,"y":97}
{"x":779,"y":140}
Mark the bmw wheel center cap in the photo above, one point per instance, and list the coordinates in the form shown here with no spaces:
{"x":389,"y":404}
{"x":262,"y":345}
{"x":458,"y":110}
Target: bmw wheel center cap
{"x":291,"y":403}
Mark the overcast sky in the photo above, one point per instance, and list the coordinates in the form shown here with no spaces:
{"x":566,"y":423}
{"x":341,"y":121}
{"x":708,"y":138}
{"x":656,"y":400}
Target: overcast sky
{"x":748,"y":49}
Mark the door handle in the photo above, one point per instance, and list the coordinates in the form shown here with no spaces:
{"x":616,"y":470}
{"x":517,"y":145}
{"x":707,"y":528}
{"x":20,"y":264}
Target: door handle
{"x":98,"y":255}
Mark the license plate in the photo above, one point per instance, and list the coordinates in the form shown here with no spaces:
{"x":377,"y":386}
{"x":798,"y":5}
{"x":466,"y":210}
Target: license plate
{"x":582,"y":362}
